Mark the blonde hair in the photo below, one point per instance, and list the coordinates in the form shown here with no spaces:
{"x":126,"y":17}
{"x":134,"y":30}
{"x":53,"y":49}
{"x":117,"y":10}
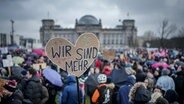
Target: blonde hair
{"x":155,"y":96}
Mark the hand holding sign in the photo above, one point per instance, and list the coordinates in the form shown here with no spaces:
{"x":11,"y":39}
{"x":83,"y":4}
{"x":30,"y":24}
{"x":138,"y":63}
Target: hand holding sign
{"x":75,"y":59}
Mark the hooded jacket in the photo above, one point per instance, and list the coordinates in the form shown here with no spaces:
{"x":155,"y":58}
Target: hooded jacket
{"x":124,"y":90}
{"x":142,"y":95}
{"x":139,"y":94}
{"x":70,"y":92}
{"x":15,"y":98}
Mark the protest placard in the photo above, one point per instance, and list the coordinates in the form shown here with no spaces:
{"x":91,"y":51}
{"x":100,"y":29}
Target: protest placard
{"x":39,"y":66}
{"x":109,"y":54}
{"x":75,"y":59}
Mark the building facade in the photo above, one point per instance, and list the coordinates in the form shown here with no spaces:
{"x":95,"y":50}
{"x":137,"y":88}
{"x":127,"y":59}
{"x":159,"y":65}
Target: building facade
{"x":123,"y":35}
{"x":7,"y":39}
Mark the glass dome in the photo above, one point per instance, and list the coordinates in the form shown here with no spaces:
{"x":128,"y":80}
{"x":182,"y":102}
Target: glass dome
{"x":88,"y":20}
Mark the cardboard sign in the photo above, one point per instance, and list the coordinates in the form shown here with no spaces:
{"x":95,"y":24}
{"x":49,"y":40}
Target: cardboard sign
{"x":39,"y":66}
{"x":75,"y":59}
{"x":109,"y":54}
{"x":7,"y":63}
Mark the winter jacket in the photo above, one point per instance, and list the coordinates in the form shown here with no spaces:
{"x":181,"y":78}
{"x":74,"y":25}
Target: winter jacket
{"x":70,"y":95}
{"x":139,"y":94}
{"x":142,"y":95}
{"x":179,"y":82}
{"x":45,"y":95}
{"x":171,"y":96}
{"x":166,"y":83}
{"x":124,"y":91}
{"x":33,"y":90}
{"x":15,"y":98}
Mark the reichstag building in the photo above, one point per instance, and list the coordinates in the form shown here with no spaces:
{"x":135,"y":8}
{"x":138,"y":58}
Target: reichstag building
{"x":124,"y":35}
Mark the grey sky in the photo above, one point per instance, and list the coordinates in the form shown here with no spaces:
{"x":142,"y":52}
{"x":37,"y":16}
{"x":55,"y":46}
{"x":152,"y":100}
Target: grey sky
{"x":28,"y":14}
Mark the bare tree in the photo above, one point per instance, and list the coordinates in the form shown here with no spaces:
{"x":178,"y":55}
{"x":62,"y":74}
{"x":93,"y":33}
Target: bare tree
{"x":149,"y":35}
{"x":181,"y":32}
{"x":166,"y":30}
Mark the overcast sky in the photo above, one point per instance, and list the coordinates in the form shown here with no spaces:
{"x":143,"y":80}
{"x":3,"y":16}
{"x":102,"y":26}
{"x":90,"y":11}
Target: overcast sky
{"x":28,"y":14}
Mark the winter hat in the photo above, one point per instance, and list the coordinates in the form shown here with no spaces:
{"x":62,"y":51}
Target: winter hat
{"x":161,"y":100}
{"x":165,"y":72}
{"x":11,"y":86}
{"x":131,"y":80}
{"x":24,"y":72}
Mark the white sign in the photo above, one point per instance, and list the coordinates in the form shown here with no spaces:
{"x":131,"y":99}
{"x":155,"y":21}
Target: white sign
{"x":4,"y":50}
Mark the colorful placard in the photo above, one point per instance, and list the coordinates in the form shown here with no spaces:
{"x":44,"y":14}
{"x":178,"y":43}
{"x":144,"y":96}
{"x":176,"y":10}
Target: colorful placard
{"x":39,"y":66}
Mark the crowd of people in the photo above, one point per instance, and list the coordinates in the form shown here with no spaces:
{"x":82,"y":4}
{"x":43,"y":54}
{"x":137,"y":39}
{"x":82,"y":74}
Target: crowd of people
{"x":134,"y":76}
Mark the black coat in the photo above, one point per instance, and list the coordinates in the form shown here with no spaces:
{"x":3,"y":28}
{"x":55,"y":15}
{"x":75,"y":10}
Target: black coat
{"x":15,"y":98}
{"x":33,"y":90}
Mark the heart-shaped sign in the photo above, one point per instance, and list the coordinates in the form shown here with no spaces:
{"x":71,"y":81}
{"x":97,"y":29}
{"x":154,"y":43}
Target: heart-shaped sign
{"x":75,"y":59}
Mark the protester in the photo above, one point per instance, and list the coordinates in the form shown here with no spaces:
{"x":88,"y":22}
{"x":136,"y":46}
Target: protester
{"x":103,"y":92}
{"x":171,"y":96}
{"x":155,"y":96}
{"x":45,"y":95}
{"x":161,"y":100}
{"x":12,"y":95}
{"x":159,"y":74}
{"x":124,"y":90}
{"x":139,"y":94}
{"x":165,"y":81}
{"x":179,"y":82}
{"x":33,"y":88}
{"x":70,"y":94}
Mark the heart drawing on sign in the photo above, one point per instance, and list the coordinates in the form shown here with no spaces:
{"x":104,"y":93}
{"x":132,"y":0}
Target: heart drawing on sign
{"x":75,"y":59}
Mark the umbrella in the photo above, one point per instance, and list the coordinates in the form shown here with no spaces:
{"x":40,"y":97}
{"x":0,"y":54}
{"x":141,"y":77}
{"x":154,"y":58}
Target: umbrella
{"x":160,"y":64}
{"x":118,"y":77}
{"x":53,"y":77}
{"x":18,"y":60}
{"x":38,"y":52}
{"x":92,"y":80}
{"x":150,"y":62}
{"x":91,"y":83}
{"x":34,"y":56}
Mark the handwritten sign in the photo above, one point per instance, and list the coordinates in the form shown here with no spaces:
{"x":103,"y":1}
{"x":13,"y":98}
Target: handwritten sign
{"x":39,"y":66}
{"x":109,"y":54}
{"x":8,"y":61}
{"x":75,"y":59}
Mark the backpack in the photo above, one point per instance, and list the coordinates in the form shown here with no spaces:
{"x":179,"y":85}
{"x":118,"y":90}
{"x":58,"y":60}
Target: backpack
{"x":101,"y":95}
